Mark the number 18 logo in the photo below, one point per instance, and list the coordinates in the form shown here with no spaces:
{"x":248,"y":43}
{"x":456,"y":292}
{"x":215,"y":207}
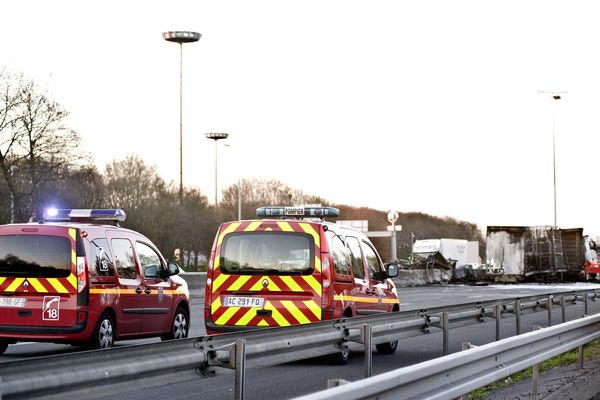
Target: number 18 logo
{"x":51,"y":308}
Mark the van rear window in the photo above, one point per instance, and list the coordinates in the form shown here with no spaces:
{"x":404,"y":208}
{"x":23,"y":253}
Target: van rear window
{"x":35,"y":256}
{"x":277,"y":253}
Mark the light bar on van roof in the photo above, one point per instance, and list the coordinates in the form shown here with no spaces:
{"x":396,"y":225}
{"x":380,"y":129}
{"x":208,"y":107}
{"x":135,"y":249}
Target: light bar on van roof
{"x":280,"y":211}
{"x":115,"y":215}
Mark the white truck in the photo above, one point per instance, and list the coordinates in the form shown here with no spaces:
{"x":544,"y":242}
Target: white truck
{"x":462,"y":251}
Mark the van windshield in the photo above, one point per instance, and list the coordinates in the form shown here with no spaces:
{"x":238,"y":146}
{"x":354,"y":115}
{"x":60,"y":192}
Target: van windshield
{"x":35,"y":256}
{"x":277,"y":253}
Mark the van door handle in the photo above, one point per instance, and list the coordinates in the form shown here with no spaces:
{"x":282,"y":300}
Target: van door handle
{"x":147,"y":290}
{"x":138,"y":290}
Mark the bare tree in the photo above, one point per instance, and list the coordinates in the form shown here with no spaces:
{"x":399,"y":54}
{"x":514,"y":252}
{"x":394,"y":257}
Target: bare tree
{"x":35,"y":140}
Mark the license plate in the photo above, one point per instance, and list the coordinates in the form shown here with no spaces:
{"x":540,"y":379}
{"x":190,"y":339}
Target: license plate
{"x":249,"y":302}
{"x":12,"y":302}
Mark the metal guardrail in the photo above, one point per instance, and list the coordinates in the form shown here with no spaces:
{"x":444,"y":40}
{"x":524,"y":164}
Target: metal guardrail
{"x":457,"y":374}
{"x":99,"y":370}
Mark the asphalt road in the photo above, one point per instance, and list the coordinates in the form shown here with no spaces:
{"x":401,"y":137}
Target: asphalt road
{"x":298,"y":378}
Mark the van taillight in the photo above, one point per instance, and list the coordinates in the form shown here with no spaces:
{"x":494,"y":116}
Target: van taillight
{"x":81,"y":281}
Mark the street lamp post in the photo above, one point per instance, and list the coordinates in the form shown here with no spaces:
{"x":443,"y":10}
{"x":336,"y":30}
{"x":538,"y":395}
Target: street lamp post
{"x":216,"y":136}
{"x":11,"y":170}
{"x":554,"y":96}
{"x":181,"y":37}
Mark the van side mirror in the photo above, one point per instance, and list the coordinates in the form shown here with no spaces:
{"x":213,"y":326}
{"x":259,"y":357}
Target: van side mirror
{"x":392,"y":269}
{"x":172,"y":269}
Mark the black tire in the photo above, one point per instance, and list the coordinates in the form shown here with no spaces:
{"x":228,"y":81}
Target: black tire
{"x":104,"y":334}
{"x":3,"y":347}
{"x":387,"y":348}
{"x":180,"y":327}
{"x":339,"y":358}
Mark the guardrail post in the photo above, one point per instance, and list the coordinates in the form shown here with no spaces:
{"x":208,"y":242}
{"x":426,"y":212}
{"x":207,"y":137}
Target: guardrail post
{"x":517,"y":311}
{"x":536,"y":373}
{"x":564,"y":311}
{"x":579,"y":353}
{"x":366,"y":332}
{"x":465,"y":346}
{"x":445,"y":333}
{"x":498,"y":314}
{"x":240,"y":368}
{"x":549,"y":307}
{"x":585,"y":303}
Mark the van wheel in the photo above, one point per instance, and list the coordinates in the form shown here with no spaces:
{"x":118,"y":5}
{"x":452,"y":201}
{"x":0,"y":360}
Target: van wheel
{"x":104,"y":334}
{"x":3,"y":347}
{"x":179,"y":327}
{"x":387,"y":348}
{"x":339,"y":358}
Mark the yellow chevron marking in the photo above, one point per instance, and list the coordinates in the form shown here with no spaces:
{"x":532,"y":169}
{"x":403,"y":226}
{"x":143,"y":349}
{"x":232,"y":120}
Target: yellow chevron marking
{"x":314,"y":284}
{"x":2,"y":279}
{"x":231,"y":228}
{"x":215,"y":305}
{"x":272,"y":286}
{"x":281,"y":321}
{"x":218,"y":282}
{"x":37,"y":285}
{"x":57,"y":285}
{"x":72,"y":280}
{"x":239,"y":282}
{"x":251,"y":313}
{"x":314,"y":307}
{"x":308,"y":228}
{"x":73,"y":257}
{"x":16,"y":283}
{"x":318,"y":263}
{"x":227,"y":315}
{"x":252,"y":226}
{"x":295,"y":311}
{"x":268,"y":229}
{"x":285,"y":226}
{"x":291,"y":283}
{"x":262,"y":322}
{"x":72,"y":233}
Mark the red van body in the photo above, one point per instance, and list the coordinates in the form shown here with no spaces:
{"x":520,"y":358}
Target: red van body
{"x":83,"y":283}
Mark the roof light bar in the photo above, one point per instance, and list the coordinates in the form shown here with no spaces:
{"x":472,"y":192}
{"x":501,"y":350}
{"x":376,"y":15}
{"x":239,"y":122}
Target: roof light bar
{"x":280,"y":211}
{"x":115,"y":215}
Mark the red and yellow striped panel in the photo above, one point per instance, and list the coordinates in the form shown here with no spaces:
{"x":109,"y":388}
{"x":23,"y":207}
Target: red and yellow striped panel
{"x":40,"y":285}
{"x":288,"y":299}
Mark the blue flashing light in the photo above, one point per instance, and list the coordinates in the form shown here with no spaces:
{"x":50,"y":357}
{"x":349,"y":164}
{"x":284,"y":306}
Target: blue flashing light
{"x":297,"y":212}
{"x":114,"y":215}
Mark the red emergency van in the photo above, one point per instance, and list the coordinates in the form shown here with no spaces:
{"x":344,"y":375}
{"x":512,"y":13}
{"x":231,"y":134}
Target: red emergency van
{"x":73,"y":277}
{"x":293,"y":267}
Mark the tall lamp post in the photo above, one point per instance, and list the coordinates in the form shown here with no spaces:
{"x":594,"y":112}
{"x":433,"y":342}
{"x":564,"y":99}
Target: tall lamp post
{"x":181,"y":37}
{"x":554,"y":96}
{"x":216,"y":136}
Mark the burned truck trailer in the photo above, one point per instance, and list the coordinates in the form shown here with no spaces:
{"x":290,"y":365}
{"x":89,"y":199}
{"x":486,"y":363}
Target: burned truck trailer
{"x":538,"y":253}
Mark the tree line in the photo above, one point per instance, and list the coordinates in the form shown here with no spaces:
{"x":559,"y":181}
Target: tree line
{"x":42,"y":163}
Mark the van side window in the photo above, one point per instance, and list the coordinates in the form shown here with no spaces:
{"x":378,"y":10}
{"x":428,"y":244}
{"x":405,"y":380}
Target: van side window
{"x":356,"y":255}
{"x":149,"y":261}
{"x":102,"y":258}
{"x":124,"y":258}
{"x":373,"y":263}
{"x":339,"y":252}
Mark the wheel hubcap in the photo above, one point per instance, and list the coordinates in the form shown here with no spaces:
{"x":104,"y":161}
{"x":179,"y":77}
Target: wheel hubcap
{"x":180,"y":326}
{"x":105,"y":335}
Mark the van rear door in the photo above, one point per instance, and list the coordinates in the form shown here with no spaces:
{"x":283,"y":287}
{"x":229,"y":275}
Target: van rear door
{"x":266,"y":273}
{"x":38,"y":282}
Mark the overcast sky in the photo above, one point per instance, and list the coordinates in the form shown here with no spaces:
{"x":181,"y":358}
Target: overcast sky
{"x":429,"y":106}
